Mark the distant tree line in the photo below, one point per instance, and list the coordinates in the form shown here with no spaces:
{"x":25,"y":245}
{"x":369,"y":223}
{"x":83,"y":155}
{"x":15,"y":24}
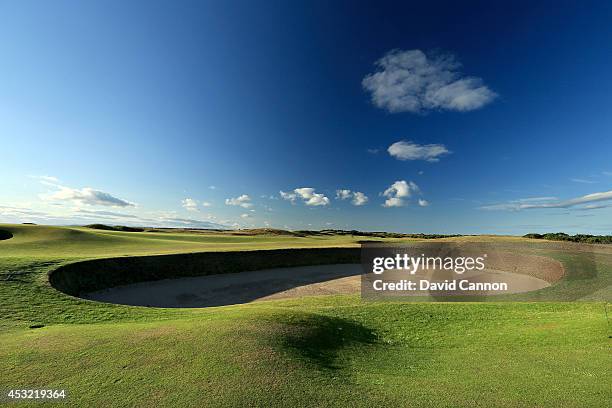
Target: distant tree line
{"x":582,"y":238}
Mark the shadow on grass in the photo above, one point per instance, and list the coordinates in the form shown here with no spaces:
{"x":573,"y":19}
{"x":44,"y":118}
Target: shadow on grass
{"x":5,"y":235}
{"x":319,"y":339}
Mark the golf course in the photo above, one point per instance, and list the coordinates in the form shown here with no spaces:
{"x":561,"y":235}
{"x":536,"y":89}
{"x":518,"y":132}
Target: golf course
{"x":312,"y":348}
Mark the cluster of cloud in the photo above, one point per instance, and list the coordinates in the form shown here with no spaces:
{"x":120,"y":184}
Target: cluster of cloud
{"x":307,"y":194}
{"x":412,"y":81}
{"x":398,"y":192}
{"x":583,"y":203}
{"x":357,"y":198}
{"x":395,"y":195}
{"x":192,"y":205}
{"x":85,"y":196}
{"x":83,"y":199}
{"x":243,"y":201}
{"x":76,"y":196}
{"x":189,"y":223}
{"x":404,"y":150}
{"x":22,"y":212}
{"x":64,"y":216}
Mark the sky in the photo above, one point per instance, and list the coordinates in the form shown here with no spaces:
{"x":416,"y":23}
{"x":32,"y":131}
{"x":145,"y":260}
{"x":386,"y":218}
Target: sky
{"x":471,"y":118}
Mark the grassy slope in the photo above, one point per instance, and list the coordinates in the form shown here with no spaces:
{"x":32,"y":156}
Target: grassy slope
{"x":316,"y":351}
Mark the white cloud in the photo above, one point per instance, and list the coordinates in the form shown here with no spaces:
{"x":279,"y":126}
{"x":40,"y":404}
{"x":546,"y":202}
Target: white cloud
{"x":423,"y":203}
{"x":243,"y":201}
{"x":11,"y":211}
{"x":86,"y":196}
{"x":398,"y":192}
{"x":393,"y":202}
{"x":343,"y":194}
{"x":82,"y":216}
{"x":83,"y":196}
{"x":206,"y":204}
{"x":373,"y":151}
{"x":288,"y":196}
{"x":582,"y":202}
{"x":310,"y":197}
{"x":245,"y":215}
{"x":411,"y":81}
{"x":307,"y":194}
{"x":188,"y":223}
{"x":536,"y":199}
{"x":509,"y":206}
{"x":47,"y":180}
{"x":358,"y":198}
{"x":594,"y":207}
{"x":102,"y":213}
{"x":411,"y":151}
{"x":212,"y":187}
{"x":518,"y":204}
{"x":190,"y":204}
{"x":401,"y":189}
{"x":583,"y":181}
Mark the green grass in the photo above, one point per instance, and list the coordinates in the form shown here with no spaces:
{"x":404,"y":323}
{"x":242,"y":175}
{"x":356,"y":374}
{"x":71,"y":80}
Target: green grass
{"x":319,"y":351}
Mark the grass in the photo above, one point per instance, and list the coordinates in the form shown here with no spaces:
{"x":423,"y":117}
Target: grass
{"x":319,"y":351}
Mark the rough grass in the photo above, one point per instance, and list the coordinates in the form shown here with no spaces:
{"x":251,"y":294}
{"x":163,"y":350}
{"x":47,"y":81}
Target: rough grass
{"x":320,"y":351}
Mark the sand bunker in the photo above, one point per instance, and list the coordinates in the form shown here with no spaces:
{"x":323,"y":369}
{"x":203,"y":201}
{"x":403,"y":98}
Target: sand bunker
{"x":233,"y":288}
{"x":5,"y":235}
{"x":277,"y":283}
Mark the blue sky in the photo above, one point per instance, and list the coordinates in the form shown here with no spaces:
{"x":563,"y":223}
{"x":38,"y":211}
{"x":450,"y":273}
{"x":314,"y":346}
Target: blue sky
{"x":438,"y":118}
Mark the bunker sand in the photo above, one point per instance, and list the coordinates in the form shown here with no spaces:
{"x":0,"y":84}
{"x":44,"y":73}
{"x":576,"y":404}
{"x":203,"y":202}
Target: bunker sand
{"x":277,"y":283}
{"x":234,"y":288}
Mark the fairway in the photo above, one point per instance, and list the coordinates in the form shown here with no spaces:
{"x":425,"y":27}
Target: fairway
{"x":333,"y":350}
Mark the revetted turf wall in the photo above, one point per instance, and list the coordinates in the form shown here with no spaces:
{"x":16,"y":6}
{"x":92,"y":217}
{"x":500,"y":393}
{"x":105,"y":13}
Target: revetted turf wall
{"x":96,"y":274}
